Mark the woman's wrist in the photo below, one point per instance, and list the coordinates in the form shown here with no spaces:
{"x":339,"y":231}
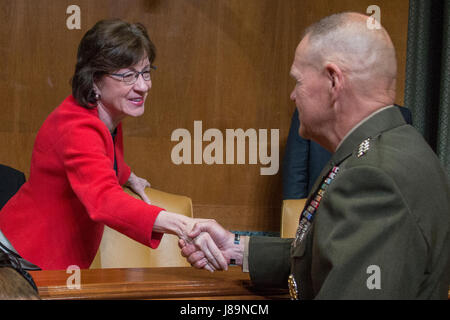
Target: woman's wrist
{"x":173,"y":223}
{"x":130,"y":178}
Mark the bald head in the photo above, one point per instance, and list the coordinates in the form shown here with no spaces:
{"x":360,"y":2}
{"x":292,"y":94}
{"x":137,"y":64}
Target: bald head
{"x":344,"y":72}
{"x":367,"y":56}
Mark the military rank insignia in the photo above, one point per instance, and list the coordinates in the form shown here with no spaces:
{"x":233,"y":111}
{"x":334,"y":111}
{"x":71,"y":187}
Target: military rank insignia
{"x":311,"y":207}
{"x":363,"y":148}
{"x":293,"y":290}
{"x":306,"y":219}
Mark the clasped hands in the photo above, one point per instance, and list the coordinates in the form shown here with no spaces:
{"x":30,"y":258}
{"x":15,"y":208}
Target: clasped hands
{"x":203,"y":242}
{"x":208,"y":245}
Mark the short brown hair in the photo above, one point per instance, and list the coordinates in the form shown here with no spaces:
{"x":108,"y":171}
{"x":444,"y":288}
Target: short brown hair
{"x":108,"y":46}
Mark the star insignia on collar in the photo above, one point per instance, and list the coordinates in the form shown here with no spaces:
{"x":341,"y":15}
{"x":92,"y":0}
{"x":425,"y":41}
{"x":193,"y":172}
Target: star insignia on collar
{"x":363,"y":148}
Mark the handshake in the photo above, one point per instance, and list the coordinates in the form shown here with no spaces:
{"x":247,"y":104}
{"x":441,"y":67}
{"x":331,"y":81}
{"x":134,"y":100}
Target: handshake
{"x":203,"y":242}
{"x":208,"y":245}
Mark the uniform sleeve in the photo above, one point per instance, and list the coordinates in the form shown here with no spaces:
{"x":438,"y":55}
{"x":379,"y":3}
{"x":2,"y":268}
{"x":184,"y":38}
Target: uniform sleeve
{"x":86,"y":154}
{"x":367,"y":243}
{"x":269,"y":261}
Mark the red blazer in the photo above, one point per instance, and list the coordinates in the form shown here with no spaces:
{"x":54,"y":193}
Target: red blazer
{"x":57,"y":217}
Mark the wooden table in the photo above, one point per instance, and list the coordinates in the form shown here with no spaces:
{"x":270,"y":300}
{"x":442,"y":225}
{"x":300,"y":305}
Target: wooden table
{"x":153,"y":283}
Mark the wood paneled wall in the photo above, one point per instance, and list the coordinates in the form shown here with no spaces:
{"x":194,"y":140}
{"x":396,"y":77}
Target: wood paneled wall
{"x":223,"y":62}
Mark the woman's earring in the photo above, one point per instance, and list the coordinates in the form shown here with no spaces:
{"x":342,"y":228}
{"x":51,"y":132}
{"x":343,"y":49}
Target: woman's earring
{"x":97,"y":97}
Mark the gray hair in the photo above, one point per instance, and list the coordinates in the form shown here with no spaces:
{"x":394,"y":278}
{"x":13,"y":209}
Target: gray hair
{"x":346,"y":40}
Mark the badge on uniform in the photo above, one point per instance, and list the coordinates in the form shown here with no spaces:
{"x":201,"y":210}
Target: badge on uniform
{"x":363,"y":148}
{"x":311,"y":207}
{"x":306,"y":219}
{"x":293,"y":289}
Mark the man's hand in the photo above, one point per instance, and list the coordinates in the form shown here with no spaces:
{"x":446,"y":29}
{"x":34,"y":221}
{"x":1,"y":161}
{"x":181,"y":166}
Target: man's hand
{"x":207,"y":250}
{"x":214,"y":258}
{"x":138,"y":185}
{"x":202,"y":232}
{"x":181,"y":226}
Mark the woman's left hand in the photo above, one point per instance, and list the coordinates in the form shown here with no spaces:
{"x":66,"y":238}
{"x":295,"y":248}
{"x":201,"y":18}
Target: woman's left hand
{"x":138,"y":185}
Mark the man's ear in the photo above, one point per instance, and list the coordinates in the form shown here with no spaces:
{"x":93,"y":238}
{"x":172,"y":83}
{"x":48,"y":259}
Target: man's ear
{"x":336,"y":78}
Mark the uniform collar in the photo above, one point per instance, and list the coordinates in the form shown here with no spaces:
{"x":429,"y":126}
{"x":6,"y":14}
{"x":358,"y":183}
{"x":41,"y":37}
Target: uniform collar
{"x":381,"y":120}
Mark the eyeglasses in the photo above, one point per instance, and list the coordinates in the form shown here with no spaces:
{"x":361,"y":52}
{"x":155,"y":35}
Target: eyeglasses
{"x":132,"y":76}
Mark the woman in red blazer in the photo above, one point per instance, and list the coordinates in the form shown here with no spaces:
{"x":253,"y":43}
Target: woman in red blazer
{"x":77,"y":167}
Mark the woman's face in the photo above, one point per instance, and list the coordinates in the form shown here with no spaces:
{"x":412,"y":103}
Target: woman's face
{"x":120,"y":99}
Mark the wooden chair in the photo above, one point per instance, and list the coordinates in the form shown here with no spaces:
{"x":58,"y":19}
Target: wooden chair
{"x":290,"y":213}
{"x":118,"y":251}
